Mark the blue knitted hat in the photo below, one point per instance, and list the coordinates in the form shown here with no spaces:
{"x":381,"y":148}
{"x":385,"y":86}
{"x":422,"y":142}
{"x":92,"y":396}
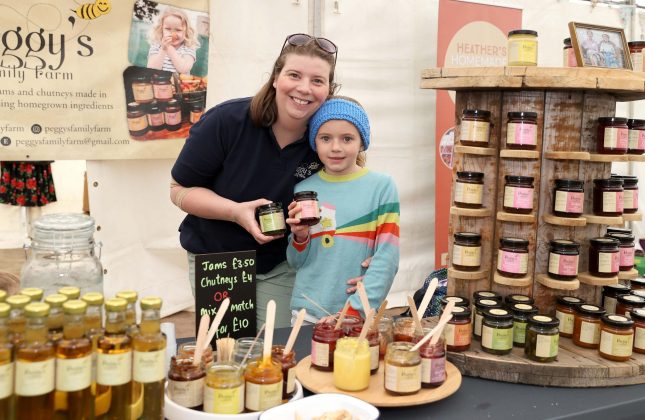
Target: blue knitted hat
{"x":340,"y":109}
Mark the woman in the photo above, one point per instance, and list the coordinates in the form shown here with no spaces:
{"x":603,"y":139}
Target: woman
{"x":248,"y":152}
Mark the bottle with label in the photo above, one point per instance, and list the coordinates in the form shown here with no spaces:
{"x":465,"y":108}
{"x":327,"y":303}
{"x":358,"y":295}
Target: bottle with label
{"x":6,"y":365}
{"x":616,"y":338}
{"x":568,"y":198}
{"x":263,"y":385}
{"x":56,"y":317}
{"x":130,"y":311}
{"x":604,"y":257}
{"x":469,"y":190}
{"x":518,"y":194}
{"x":288,"y":362}
{"x":224,"y":389}
{"x":563,"y":259}
{"x":612,"y":135}
{"x":608,"y":197}
{"x":114,"y":363}
{"x":459,"y":330}
{"x":522,"y":47}
{"x":513,"y":257}
{"x":271,"y":219}
{"x":74,"y":366}
{"x":93,"y":321}
{"x":35,"y":367}
{"x":402,"y":369}
{"x":186,"y":382}
{"x":309,"y":213}
{"x":474,"y":129}
{"x":17,"y":320}
{"x":521,"y":130}
{"x":352,"y":364}
{"x":467,"y":251}
{"x":34,"y":293}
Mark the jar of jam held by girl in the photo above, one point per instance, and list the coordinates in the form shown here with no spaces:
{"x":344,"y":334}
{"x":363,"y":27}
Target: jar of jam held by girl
{"x":636,"y":53}
{"x":610,"y":295}
{"x":172,"y":115}
{"x":586,"y":325}
{"x":569,"y":55}
{"x":521,"y":313}
{"x":604,"y":257}
{"x":616,"y":338}
{"x":565,"y":311}
{"x":404,"y":329}
{"x":542,"y":338}
{"x":636,"y":142}
{"x":323,"y":344}
{"x":568,"y":198}
{"x":563,"y":259}
{"x":497,"y":331}
{"x":288,"y":363}
{"x":196,"y":111}
{"x":458,"y":331}
{"x":510,"y":300}
{"x":386,"y":334}
{"x":638,"y":316}
{"x":263,"y":385}
{"x":608,"y":197}
{"x":630,"y":194}
{"x":518,"y":194}
{"x":626,"y":250}
{"x":521,"y":130}
{"x":349,"y":323}
{"x":467,"y":251}
{"x":186,"y":382}
{"x":155,"y":117}
{"x":309,"y":213}
{"x":613,"y":135}
{"x":352,"y":364}
{"x":373,"y":345}
{"x":469,"y":189}
{"x":137,"y":120}
{"x":433,"y":361}
{"x":402,"y":369}
{"x":459,"y":301}
{"x":480,"y":307}
{"x":513,"y":257}
{"x":142,"y":89}
{"x":162,"y":87}
{"x":626,"y":303}
{"x":522,"y":48}
{"x":637,"y":283}
{"x":474,"y":129}
{"x":224,"y":388}
{"x":271,"y":219}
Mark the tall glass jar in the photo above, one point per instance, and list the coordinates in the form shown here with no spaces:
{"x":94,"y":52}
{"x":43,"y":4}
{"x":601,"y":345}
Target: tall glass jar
{"x":62,"y":253}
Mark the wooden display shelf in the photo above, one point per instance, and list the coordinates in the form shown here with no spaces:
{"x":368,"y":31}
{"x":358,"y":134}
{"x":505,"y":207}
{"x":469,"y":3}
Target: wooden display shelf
{"x":459,"y":211}
{"x":519,"y":154}
{"x":597,"y":157}
{"x":517,"y":218}
{"x":467,"y":275}
{"x":636,"y":158}
{"x":587,"y":278}
{"x":632,"y":217}
{"x":565,"y":221}
{"x":604,"y":220}
{"x":511,"y":281}
{"x":471,"y":150}
{"x":547,"y":281}
{"x":628,"y":275}
{"x":555,"y":155}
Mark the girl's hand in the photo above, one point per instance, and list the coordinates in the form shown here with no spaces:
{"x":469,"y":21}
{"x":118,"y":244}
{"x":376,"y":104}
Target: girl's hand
{"x":300,"y":232}
{"x":166,"y":42}
{"x":244,"y":216}
{"x":353,"y":281}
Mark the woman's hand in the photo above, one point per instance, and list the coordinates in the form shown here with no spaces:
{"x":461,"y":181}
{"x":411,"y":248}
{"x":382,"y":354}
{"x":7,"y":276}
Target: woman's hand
{"x":244,"y":215}
{"x":300,"y":232}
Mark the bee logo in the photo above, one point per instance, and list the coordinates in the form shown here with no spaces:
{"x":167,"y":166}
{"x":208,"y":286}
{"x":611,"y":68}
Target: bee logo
{"x":90,"y":11}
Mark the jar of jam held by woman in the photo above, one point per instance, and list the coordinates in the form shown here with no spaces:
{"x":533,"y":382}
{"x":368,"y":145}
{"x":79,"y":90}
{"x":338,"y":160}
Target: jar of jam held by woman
{"x":636,"y":53}
{"x":610,"y":295}
{"x":172,"y":115}
{"x":604,"y":257}
{"x":638,"y":316}
{"x":636,"y":142}
{"x":518,"y":194}
{"x":186,"y":382}
{"x":586,"y":325}
{"x":565,"y":311}
{"x":522,"y":48}
{"x":467,"y":251}
{"x":474,"y":129}
{"x":142,"y":89}
{"x":352,"y":364}
{"x":402,"y":369}
{"x":608,"y":197}
{"x":263,"y":385}
{"x":459,"y":301}
{"x":155,"y":117}
{"x":563,"y":259}
{"x":613,"y":135}
{"x":323,"y":344}
{"x":404,"y":329}
{"x":458,"y":331}
{"x":288,"y":363}
{"x":469,"y":190}
{"x":521,"y":130}
{"x":637,"y":283}
{"x":137,"y":120}
{"x":542,"y":338}
{"x":373,"y":345}
{"x":271,"y":219}
{"x":433,"y":361}
{"x":630,"y":194}
{"x":626,"y":303}
{"x":569,"y":55}
{"x":386,"y":334}
{"x":521,"y":313}
{"x":626,"y":250}
{"x":309,"y":213}
{"x":568,"y":198}
{"x":224,"y":391}
{"x":513,"y":257}
{"x":162,"y":87}
{"x":497,"y":331}
{"x":349,"y":323}
{"x":510,"y":300}
{"x":480,"y":307}
{"x":616,"y":338}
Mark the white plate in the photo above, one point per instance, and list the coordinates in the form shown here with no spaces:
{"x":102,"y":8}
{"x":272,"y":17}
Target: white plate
{"x":174,"y":411}
{"x":316,"y":405}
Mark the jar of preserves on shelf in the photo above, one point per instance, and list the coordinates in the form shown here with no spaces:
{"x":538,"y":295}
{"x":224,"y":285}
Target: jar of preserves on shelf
{"x":402,"y":369}
{"x":467,"y":251}
{"x":604,"y":257}
{"x":626,"y":303}
{"x":433,"y":361}
{"x":608,"y":197}
{"x":636,"y":53}
{"x":162,"y":86}
{"x":186,"y":382}
{"x":458,"y":331}
{"x":542,"y":338}
{"x":613,"y":135}
{"x":484,"y":294}
{"x":637,"y":284}
{"x":156,"y":120}
{"x":513,"y":257}
{"x":586,"y":326}
{"x":610,"y":295}
{"x":497,"y":331}
{"x":569,"y":55}
{"x":626,"y":250}
{"x":386,"y":334}
{"x":514,"y":298}
{"x":288,"y":363}
{"x":521,"y":130}
{"x":636,"y":137}
{"x":404,"y":329}
{"x":522,"y":47}
{"x":565,"y":311}
{"x":172,"y":115}
{"x":568,"y":198}
{"x":521,"y":313}
{"x":469,"y":190}
{"x":137,"y":120}
{"x":323,"y":344}
{"x":224,"y":390}
{"x":638,"y":316}
{"x":474,"y":129}
{"x":630,"y":194}
{"x":563,"y":259}
{"x":142,"y":89}
{"x":271,"y":219}
{"x":478,"y":318}
{"x":518,"y":194}
{"x":309,"y":213}
{"x":616,"y":338}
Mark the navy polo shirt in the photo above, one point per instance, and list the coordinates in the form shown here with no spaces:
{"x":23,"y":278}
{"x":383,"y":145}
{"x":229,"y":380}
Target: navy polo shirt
{"x":226,"y":153}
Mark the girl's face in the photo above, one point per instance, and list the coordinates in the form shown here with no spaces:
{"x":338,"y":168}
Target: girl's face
{"x":301,"y":87}
{"x":338,"y":144}
{"x":174,"y":27}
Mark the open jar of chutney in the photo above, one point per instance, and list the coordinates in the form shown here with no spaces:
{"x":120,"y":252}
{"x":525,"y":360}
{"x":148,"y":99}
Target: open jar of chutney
{"x":563,"y":259}
{"x":521,"y":130}
{"x":604,"y":257}
{"x":474,"y":129}
{"x":513,"y":257}
{"x":469,"y":190}
{"x":467,"y":251}
{"x":518,"y":194}
{"x":612,"y":136}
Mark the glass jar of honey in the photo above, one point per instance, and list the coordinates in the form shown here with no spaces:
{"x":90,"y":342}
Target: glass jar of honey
{"x":521,"y":313}
{"x":586,"y":326}
{"x":352,"y":364}
{"x":626,"y":303}
{"x":616,"y":338}
{"x":474,"y":129}
{"x":626,"y":250}
{"x":481,"y":306}
{"x":497,"y":331}
{"x":613,"y":135}
{"x":469,"y":190}
{"x":513,"y":257}
{"x":542,"y":338}
{"x":458,"y":331}
{"x":604,"y":257}
{"x":323,"y":344}
{"x":565,"y":311}
{"x":186,"y":382}
{"x":568,"y":198}
{"x":467,"y":251}
{"x":263,"y":385}
{"x":224,"y":389}
{"x":309,"y":213}
{"x":402,"y":369}
{"x":610,"y":295}
{"x":638,"y":316}
{"x":518,"y":194}
{"x":404,"y":329}
{"x":372,"y":338}
{"x":563,"y":259}
{"x":521,"y":130}
{"x":608,"y":197}
{"x":288,"y":363}
{"x":433,"y":361}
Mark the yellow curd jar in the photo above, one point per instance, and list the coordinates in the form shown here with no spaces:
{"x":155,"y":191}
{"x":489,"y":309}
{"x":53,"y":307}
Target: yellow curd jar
{"x":224,"y":389}
{"x":352,"y":364}
{"x":522,"y":48}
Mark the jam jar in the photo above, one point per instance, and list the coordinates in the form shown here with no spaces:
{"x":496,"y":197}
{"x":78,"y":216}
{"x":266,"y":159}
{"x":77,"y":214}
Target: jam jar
{"x":386,"y":334}
{"x":433,"y":361}
{"x":404,"y":329}
{"x":610,"y":295}
{"x":172,"y":115}
{"x":467,"y":251}
{"x":162,"y":87}
{"x":518,"y":194}
{"x":604,"y":257}
{"x":142,"y":89}
{"x":262,"y":383}
{"x":402,"y":369}
{"x":155,"y":116}
{"x":568,"y":198}
{"x":563,"y":259}
{"x":288,"y":363}
{"x":565,"y":311}
{"x":271,"y":219}
{"x":497,"y":331}
{"x":626,"y":303}
{"x":608,"y":197}
{"x":137,"y":120}
{"x":469,"y":189}
{"x":373,"y":345}
{"x":474,"y":129}
{"x":521,"y":313}
{"x":224,"y":389}
{"x":309,"y":213}
{"x":542,"y":338}
{"x":186,"y":382}
{"x":522,"y":47}
{"x":459,"y":301}
{"x":630,"y":194}
{"x":616,"y":338}
{"x":352,"y":364}
{"x":349,"y":323}
{"x":637,"y":283}
{"x":512,"y":299}
{"x":586,"y":325}
{"x":481,"y":306}
{"x":323,"y":344}
{"x":569,"y":55}
{"x":613,"y":135}
{"x":626,"y":250}
{"x":513,"y":257}
{"x":636,"y":143}
{"x":521,"y":130}
{"x":458,"y":331}
{"x":638,"y":316}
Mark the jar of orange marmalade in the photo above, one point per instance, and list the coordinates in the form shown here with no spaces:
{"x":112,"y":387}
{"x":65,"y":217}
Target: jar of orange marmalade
{"x":263,"y":385}
{"x":565,"y":312}
{"x":459,"y":330}
{"x":616,"y":338}
{"x":586,"y":326}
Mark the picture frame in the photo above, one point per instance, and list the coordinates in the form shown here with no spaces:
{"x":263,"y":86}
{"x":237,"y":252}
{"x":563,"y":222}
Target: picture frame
{"x":600,"y":46}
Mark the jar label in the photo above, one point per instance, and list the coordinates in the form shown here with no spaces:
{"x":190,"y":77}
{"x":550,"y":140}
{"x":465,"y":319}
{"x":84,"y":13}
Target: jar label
{"x":609,"y":304}
{"x":519,"y":332}
{"x":35,"y":378}
{"x":637,"y":61}
{"x":569,"y":202}
{"x":319,"y":354}
{"x":155,"y":120}
{"x":225,"y":400}
{"x":187,"y":393}
{"x":518,"y":197}
{"x":565,"y":265}
{"x":261,"y":397}
{"x":137,"y":123}
{"x":402,"y":378}
{"x":475,"y":131}
{"x":608,"y":262}
{"x":173,"y":118}
{"x":433,"y":370}
{"x":524,"y":51}
{"x":162,"y":91}
{"x":374,"y":356}
{"x":616,"y":138}
{"x":616,"y":344}
{"x":497,"y":338}
{"x":626,"y":256}
{"x":566,"y":322}
{"x":630,"y":199}
{"x":149,"y":366}
{"x":142,"y":92}
{"x":114,"y":369}
{"x":478,"y":325}
{"x":291,"y":377}
{"x":469,"y":193}
{"x":546,"y":345}
{"x":521,"y":134}
{"x":512,"y":262}
{"x":612,"y":202}
{"x":470,"y":256}
{"x":308,"y":209}
{"x":636,"y":140}
{"x":590,"y":332}
{"x":73,"y":374}
{"x":639,"y":338}
{"x":272,"y":221}
{"x":6,"y":380}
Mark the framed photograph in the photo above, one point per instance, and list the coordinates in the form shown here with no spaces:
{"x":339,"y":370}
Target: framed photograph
{"x":600,"y":46}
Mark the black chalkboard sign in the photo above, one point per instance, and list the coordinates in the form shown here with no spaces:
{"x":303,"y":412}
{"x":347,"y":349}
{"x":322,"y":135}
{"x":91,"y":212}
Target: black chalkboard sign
{"x":222,"y":275}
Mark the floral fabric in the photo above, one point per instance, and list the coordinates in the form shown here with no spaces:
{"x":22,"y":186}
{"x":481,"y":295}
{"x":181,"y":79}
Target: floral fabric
{"x":28,"y":184}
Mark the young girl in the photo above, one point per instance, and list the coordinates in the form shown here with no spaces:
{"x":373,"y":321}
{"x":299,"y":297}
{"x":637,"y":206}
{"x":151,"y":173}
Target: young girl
{"x":359,"y":217}
{"x":173,"y":43}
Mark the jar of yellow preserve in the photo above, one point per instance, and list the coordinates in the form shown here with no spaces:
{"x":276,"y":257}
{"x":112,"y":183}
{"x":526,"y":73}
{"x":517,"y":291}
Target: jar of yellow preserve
{"x":224,"y":389}
{"x":352,"y":364}
{"x":522,"y":48}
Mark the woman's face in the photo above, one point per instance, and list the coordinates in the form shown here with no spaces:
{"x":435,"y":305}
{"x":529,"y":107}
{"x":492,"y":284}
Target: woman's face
{"x":301,"y":87}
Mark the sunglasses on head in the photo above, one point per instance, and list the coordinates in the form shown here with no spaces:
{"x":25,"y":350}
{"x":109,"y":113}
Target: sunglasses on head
{"x":324,"y":44}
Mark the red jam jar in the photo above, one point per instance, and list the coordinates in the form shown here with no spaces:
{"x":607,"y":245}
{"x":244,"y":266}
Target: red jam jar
{"x":563,"y":259}
{"x":349,"y":323}
{"x":636,"y":142}
{"x":627,"y":303}
{"x":613,"y":135}
{"x":474,"y":129}
{"x":459,"y":330}
{"x":625,"y":249}
{"x":433,"y":361}
{"x":610,"y":295}
{"x":518,"y":194}
{"x":630,"y":193}
{"x":467,"y":251}
{"x":568,"y":198}
{"x":309,"y":213}
{"x":604,"y":257}
{"x":404,"y":329}
{"x":521,"y":130}
{"x":323,"y":344}
{"x":608,"y":197}
{"x":513,"y":257}
{"x":469,"y":190}
{"x":288,"y":363}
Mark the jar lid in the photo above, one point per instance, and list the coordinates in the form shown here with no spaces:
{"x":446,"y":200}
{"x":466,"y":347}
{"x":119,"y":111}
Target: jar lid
{"x":56,"y":300}
{"x":486,"y":294}
{"x":623,"y":238}
{"x":5,"y":308}
{"x":498,"y":314}
{"x":459,"y":312}
{"x":612,"y":120}
{"x":629,"y":180}
{"x":470,"y":175}
{"x":75,"y":307}
{"x":468,"y":237}
{"x":459,"y":301}
{"x":634,"y":121}
{"x":172,"y":102}
{"x":617,"y":230}
{"x":305,"y":194}
{"x":37,"y":309}
{"x":616,"y":288}
{"x":18,"y":301}
{"x":151,"y":302}
{"x":141,"y":77}
{"x":522,"y":32}
{"x":133,"y":106}
{"x":638,"y":292}
{"x":72,"y":292}
{"x":636,"y":313}
{"x":638,"y":280}
{"x":569,"y":183}
{"x":617,"y":321}
{"x":591,"y":310}
{"x":269,"y":207}
{"x":519,"y":179}
{"x":636,"y":44}
{"x":522,"y":114}
{"x":512,"y":299}
{"x":567,"y":41}
{"x":564,"y":244}
{"x":476,"y":113}
{"x":516,"y":243}
{"x":544,"y":320}
{"x":524,"y":308}
{"x":153,"y":107}
{"x":569,"y":301}
{"x":608,"y":183}
{"x":631,"y":299}
{"x":161,"y":77}
{"x":115,"y":304}
{"x":129,"y":295}
{"x":34,"y":293}
{"x":93,"y":298}
{"x":604,"y":242}
{"x":487,"y":303}
{"x":196,"y":106}
{"x":63,"y":231}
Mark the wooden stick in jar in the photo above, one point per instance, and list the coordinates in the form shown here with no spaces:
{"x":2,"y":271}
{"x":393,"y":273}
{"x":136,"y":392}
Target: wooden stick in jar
{"x":342,"y":315}
{"x":428,"y":296}
{"x":316,"y":304}
{"x":294,"y":331}
{"x":436,"y":331}
{"x":268,"y":333}
{"x":248,"y":352}
{"x":415,"y":315}
{"x":363,"y":295}
{"x":366,"y":325}
{"x":218,"y":320}
{"x":201,"y":339}
{"x":379,"y":314}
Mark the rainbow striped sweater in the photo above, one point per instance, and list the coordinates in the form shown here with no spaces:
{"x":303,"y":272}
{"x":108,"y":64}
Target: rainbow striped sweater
{"x":359,"y":219}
